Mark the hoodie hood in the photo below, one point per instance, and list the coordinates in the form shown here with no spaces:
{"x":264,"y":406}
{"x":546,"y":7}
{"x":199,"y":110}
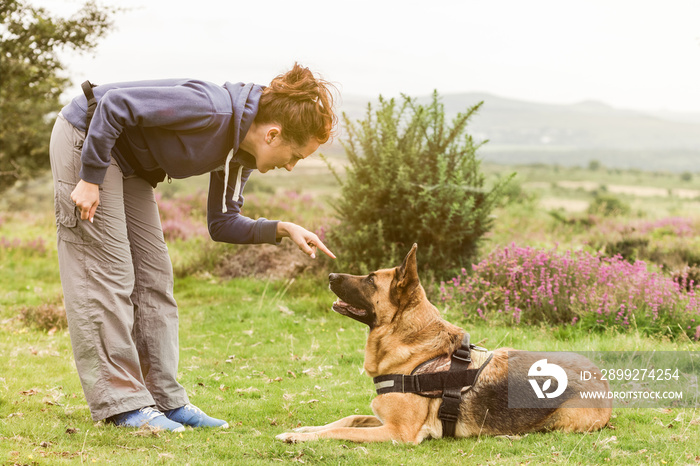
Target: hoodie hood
{"x":244,"y":101}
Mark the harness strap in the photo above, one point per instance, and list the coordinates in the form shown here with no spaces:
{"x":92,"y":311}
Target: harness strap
{"x":402,"y":383}
{"x":91,"y":101}
{"x":452,"y":396}
{"x":450,"y":382}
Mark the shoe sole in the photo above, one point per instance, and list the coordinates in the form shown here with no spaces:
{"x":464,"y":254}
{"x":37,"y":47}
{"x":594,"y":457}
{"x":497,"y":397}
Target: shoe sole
{"x":147,"y":426}
{"x":222,"y":426}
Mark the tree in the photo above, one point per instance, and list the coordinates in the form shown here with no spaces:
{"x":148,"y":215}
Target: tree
{"x":412,"y":178}
{"x":31,"y":79}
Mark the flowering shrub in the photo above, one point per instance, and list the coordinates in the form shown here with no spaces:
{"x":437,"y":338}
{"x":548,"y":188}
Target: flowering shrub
{"x":183,"y":217}
{"x":671,"y":242}
{"x":675,"y":226}
{"x":687,"y":278}
{"x":528,"y":285}
{"x":32,"y":246}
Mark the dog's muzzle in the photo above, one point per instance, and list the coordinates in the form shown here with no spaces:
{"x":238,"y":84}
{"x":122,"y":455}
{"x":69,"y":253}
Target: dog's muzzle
{"x":334,"y":279}
{"x":349,"y":303}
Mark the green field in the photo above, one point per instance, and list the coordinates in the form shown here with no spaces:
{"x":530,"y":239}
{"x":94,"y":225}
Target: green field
{"x":268,"y":354}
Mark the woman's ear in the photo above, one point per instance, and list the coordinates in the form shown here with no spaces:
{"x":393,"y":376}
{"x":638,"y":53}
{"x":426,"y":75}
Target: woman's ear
{"x":273,"y":134}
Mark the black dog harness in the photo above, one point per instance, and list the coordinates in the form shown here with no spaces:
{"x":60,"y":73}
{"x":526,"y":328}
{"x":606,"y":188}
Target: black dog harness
{"x":450,"y":383}
{"x":91,"y":102}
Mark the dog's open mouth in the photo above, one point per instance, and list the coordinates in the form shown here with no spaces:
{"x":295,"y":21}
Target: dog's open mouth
{"x":343,"y":308}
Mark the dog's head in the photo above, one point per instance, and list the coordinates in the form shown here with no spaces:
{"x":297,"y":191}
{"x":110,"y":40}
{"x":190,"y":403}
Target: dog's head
{"x":376,"y":299}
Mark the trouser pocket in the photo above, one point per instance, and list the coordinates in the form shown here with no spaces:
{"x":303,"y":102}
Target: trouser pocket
{"x":69,"y":225}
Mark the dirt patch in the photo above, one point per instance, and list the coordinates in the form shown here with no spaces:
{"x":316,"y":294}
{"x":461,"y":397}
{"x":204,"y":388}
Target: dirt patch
{"x":584,"y":185}
{"x":266,"y":261}
{"x":687,"y":193}
{"x":639,"y":191}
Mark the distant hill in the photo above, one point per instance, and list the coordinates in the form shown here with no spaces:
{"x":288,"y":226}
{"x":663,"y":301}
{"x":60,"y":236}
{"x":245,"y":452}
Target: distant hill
{"x":521,"y":132}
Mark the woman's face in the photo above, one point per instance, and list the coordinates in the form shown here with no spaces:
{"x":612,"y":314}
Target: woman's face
{"x":277,"y":153}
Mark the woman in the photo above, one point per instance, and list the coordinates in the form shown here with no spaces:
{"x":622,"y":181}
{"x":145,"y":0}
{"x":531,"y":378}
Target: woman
{"x":115,"y":270}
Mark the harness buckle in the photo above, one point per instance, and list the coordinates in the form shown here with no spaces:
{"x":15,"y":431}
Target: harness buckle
{"x":449,"y":410}
{"x":462,"y":355}
{"x":449,"y":417}
{"x":409,"y":384}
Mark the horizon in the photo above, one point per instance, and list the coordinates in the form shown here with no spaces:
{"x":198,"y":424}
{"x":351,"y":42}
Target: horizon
{"x":658,"y":113}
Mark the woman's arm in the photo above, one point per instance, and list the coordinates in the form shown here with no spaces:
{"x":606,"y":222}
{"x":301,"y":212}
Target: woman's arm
{"x":232,"y":226}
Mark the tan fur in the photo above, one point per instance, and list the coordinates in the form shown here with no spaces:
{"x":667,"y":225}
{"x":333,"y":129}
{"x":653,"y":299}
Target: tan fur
{"x":406,"y":331}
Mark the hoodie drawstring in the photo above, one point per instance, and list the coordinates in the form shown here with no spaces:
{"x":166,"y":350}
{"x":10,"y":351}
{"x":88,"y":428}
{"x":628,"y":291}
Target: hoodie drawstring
{"x":237,"y":190}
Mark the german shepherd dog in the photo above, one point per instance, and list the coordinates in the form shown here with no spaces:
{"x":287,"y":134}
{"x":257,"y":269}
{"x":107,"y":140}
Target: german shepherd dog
{"x":406,"y":330}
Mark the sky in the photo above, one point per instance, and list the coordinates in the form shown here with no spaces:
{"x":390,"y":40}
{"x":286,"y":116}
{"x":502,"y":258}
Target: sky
{"x":632,"y":54}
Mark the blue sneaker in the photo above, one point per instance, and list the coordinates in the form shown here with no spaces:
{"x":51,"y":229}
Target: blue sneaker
{"x":146,"y":417}
{"x":190,"y":415}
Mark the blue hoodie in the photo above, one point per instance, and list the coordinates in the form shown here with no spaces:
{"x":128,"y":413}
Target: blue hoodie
{"x":178,"y":128}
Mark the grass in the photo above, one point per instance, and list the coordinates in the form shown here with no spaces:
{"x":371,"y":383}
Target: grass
{"x":269,"y":356}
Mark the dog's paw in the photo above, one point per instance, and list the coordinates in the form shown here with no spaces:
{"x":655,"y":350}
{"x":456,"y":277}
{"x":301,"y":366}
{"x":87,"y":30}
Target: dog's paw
{"x":294,"y":437}
{"x":287,"y":437}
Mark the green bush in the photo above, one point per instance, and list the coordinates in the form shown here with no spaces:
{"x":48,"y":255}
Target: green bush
{"x":412,"y":178}
{"x":608,"y":205}
{"x":631,"y":248}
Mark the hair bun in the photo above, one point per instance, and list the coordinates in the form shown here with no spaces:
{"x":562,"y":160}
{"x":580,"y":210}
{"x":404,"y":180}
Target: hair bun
{"x":298,"y":83}
{"x":302,"y":103}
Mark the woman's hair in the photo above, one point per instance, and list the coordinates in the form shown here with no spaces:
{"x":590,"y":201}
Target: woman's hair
{"x":301,"y":104}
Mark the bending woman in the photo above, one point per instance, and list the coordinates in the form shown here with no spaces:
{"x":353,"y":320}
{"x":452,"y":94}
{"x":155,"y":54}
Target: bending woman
{"x":115,"y":269}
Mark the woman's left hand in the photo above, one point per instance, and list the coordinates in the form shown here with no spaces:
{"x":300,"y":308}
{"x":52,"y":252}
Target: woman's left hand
{"x":306,"y":240}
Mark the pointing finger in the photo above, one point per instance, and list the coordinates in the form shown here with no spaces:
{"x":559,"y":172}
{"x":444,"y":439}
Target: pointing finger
{"x":327,"y":251}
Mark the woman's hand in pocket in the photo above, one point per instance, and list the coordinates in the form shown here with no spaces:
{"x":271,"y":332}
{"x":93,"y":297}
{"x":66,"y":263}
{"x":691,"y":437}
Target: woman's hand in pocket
{"x":87,"y":197}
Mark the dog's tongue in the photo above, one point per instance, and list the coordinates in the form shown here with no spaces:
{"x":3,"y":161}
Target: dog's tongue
{"x":341,"y":307}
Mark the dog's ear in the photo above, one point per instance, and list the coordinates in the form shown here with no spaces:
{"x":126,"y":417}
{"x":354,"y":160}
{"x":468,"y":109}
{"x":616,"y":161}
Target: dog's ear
{"x":407,"y":273}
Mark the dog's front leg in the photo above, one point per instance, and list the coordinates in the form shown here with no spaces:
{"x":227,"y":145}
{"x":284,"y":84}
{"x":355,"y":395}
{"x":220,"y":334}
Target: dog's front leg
{"x":383,"y":433}
{"x":403,"y":416}
{"x":349,"y":421}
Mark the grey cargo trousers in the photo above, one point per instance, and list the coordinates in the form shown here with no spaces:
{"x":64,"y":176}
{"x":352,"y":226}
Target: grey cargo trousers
{"x":117,"y":283}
